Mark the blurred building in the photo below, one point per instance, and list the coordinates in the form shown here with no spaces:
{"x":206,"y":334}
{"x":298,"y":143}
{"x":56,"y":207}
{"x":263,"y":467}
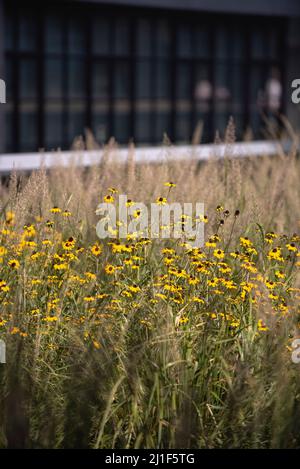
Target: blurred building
{"x":136,"y":69}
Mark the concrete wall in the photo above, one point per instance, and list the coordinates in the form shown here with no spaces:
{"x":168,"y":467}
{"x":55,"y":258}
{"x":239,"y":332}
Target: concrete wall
{"x":260,"y":7}
{"x":2,"y":76}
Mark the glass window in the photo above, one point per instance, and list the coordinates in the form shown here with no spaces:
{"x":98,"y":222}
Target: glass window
{"x":53,"y":34}
{"x":121,"y":127}
{"x":53,"y":78}
{"x":183,"y":81}
{"x":9,"y":131}
{"x":143,"y":79}
{"x":143,"y":127}
{"x":144,"y":38}
{"x":100,"y":122}
{"x":121,"y":37}
{"x":53,"y":125}
{"x":121,"y":80}
{"x":222,"y":43}
{"x":77,"y":78}
{"x":76,"y":120}
{"x":184,"y":41}
{"x":28,"y":32}
{"x":258,"y":44}
{"x":77,"y":36}
{"x":237,"y":44}
{"x":101,"y":36}
{"x":9,"y":78}
{"x":100,"y":81}
{"x":163,"y":39}
{"x":183,"y":127}
{"x":163,"y":80}
{"x":10,"y":27}
{"x":162,"y":125}
{"x":28,"y":129}
{"x":28,"y":78}
{"x":202,"y":43}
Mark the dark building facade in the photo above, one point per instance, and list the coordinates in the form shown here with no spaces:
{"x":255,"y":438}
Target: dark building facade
{"x":139,"y":69}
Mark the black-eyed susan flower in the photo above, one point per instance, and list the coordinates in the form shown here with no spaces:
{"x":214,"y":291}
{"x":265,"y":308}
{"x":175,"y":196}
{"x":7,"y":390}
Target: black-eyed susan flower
{"x":3,"y":286}
{"x":110,"y":269}
{"x":69,"y":244}
{"x":275,"y":254}
{"x":291,"y":247}
{"x":170,"y":184}
{"x":161,"y":201}
{"x":108,"y":199}
{"x":96,"y":249}
{"x":66,"y":213}
{"x":219,"y":253}
{"x":261,"y":326}
{"x":9,"y":218}
{"x":14,"y":264}
{"x":62,"y":266}
{"x":245,"y":242}
{"x":55,"y":209}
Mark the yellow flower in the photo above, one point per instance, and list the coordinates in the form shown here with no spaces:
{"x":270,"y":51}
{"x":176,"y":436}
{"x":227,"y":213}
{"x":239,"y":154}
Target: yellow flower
{"x":161,"y":201}
{"x":269,"y":238}
{"x":291,"y":247}
{"x":245,"y":242}
{"x":108,"y":199}
{"x":66,"y":213}
{"x":3,"y":286}
{"x":275,"y":254}
{"x":55,"y":210}
{"x":69,"y":244}
{"x":47,"y":242}
{"x":261,"y":325}
{"x":90,"y":275}
{"x":88,"y":299}
{"x":110,"y":269}
{"x":270,"y":284}
{"x":183,"y":320}
{"x":9,"y":218}
{"x":219,"y":254}
{"x":50,"y":319}
{"x":196,"y":299}
{"x":14,"y":264}
{"x":212,"y":241}
{"x":193,"y":280}
{"x":3,"y":251}
{"x":96,"y":249}
{"x":112,"y":190}
{"x":134,"y":288}
{"x":203,"y":218}
{"x":62,"y":266}
{"x":170,"y":184}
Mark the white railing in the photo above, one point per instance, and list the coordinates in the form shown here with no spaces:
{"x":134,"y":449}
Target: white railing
{"x":32,"y":161}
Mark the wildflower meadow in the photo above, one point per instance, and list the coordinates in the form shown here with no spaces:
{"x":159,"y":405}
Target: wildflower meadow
{"x":151,"y":343}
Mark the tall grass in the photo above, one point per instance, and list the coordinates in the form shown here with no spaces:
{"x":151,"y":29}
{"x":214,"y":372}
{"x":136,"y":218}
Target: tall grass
{"x":91,"y":366}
